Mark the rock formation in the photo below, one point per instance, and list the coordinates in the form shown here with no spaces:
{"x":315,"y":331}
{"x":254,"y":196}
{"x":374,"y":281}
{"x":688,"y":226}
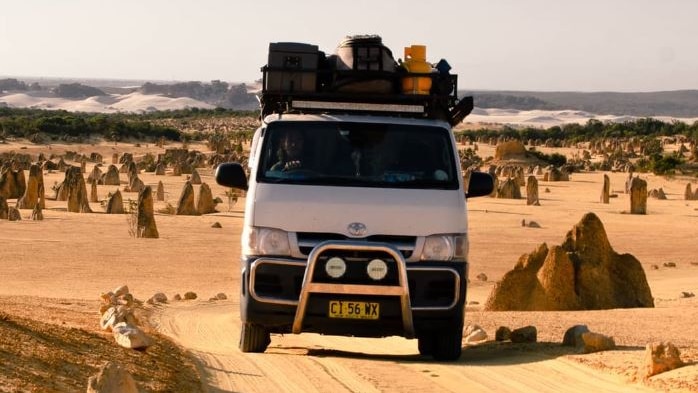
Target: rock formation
{"x":131,"y":170}
{"x":76,"y":191}
{"x":195,"y":178}
{"x":160,"y":169}
{"x":4,"y":208}
{"x":554,"y":174}
{"x":34,"y":192}
{"x":37,"y":213}
{"x":13,"y":214}
{"x":532,"y":191}
{"x":510,"y":150}
{"x":205,"y":204}
{"x":176,"y":169}
{"x":135,"y":184}
{"x":657,"y":193}
{"x":509,"y":190}
{"x":160,"y":194}
{"x":661,"y":357}
{"x":96,"y":174}
{"x":606,"y":190}
{"x":112,"y":378}
{"x":638,"y":196}
{"x":583,"y":273}
{"x":115,"y":204}
{"x":186,"y":206}
{"x":111,"y":177}
{"x":145,"y":215}
{"x":12,"y":183}
{"x":93,"y":191}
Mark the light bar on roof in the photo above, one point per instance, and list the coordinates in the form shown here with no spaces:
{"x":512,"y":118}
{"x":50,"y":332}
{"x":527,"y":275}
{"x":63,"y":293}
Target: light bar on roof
{"x":357,"y":106}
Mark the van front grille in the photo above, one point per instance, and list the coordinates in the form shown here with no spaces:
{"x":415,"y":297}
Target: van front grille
{"x":307,"y":241}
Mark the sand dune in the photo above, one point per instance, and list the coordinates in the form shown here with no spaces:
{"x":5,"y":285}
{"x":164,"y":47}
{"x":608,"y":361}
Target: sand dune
{"x":545,"y":119}
{"x":133,"y":102}
{"x":137,"y":102}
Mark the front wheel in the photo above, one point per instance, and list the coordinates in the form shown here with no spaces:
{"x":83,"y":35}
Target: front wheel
{"x":447,"y":344}
{"x":254,"y":338}
{"x":425,"y":343}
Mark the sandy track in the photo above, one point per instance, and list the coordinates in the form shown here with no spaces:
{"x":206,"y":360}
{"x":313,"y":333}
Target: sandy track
{"x":315,"y":363}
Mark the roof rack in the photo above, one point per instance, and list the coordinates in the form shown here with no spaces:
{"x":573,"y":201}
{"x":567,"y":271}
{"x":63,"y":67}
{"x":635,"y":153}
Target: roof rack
{"x":301,"y":79}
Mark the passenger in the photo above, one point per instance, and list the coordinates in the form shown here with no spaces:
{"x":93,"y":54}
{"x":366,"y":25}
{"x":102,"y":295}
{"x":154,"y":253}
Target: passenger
{"x":290,"y":152}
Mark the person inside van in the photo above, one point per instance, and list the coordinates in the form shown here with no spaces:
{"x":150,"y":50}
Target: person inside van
{"x":290,"y":151}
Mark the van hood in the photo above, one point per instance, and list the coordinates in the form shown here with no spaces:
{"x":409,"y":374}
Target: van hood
{"x":383,"y":211}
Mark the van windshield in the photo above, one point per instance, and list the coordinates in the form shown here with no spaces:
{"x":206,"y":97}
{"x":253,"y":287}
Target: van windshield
{"x":358,"y":155}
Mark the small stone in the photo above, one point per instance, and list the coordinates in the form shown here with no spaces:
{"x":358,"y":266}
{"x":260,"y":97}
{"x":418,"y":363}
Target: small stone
{"x":13,"y":214}
{"x":573,"y":336}
{"x":482,"y":277}
{"x":476,"y":336}
{"x":190,"y":296}
{"x":661,"y":357}
{"x":159,"y":298}
{"x":687,"y":294}
{"x":596,"y":342}
{"x":129,"y":336}
{"x":111,"y":378}
{"x":503,"y":333}
{"x":177,"y":297}
{"x":533,"y":224}
{"x":221,"y":296}
{"x":669,"y":264}
{"x":654,"y":267}
{"x":216,"y":225}
{"x":471,"y":328}
{"x":120,"y":291}
{"x":108,"y":298}
{"x":547,"y":190}
{"x":526,"y":334}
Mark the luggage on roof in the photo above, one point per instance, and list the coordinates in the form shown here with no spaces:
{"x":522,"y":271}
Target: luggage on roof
{"x":361,"y":77}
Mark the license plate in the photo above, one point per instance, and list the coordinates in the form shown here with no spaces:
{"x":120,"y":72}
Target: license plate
{"x":353,"y":310}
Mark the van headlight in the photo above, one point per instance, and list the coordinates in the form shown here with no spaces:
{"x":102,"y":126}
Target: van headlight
{"x":265,"y":241}
{"x":445,"y":248}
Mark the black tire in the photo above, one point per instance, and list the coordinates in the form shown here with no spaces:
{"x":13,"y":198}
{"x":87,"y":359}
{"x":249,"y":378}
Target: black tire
{"x":448,"y":345}
{"x":425,"y":343}
{"x":253,"y":338}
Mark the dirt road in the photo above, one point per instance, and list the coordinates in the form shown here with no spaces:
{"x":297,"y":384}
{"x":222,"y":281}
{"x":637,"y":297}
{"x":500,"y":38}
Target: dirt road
{"x":314,"y":363}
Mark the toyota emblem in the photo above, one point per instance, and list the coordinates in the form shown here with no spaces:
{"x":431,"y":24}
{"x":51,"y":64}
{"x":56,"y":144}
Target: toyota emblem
{"x":356,"y":229}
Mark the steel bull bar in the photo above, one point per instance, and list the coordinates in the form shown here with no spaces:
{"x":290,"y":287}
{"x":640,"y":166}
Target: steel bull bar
{"x":401,"y":290}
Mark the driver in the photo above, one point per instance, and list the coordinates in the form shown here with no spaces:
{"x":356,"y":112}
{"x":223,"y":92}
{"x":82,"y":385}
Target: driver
{"x":290,"y":151}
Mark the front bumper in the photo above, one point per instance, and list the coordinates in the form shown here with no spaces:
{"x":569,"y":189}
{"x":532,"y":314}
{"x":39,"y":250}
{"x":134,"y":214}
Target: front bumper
{"x":293,"y":296}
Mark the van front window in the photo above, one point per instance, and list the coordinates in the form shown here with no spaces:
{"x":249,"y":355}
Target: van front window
{"x":358,"y":155}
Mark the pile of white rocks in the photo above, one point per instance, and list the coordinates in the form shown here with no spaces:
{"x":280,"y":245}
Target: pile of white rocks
{"x":118,"y":317}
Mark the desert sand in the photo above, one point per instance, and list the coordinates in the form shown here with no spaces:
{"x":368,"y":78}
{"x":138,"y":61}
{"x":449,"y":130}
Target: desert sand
{"x":54,"y":270}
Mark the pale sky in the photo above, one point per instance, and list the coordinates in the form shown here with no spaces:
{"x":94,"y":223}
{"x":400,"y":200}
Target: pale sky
{"x":545,"y":45}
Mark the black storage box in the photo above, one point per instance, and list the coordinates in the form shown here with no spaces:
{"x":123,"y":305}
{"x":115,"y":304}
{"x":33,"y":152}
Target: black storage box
{"x":292,"y":67}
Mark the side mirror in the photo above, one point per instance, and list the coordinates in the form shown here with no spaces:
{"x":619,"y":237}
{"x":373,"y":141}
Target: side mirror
{"x":231,"y":174}
{"x":480,"y":184}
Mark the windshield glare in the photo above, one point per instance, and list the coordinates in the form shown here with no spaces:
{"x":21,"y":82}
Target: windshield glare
{"x":358,"y":154}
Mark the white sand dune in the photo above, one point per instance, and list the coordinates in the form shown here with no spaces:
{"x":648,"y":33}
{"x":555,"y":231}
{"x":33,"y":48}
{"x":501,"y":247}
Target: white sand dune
{"x":138,"y":102}
{"x":134,"y":102}
{"x":545,"y":119}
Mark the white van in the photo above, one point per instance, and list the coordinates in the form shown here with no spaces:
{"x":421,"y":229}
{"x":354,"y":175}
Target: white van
{"x":355,"y":223}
